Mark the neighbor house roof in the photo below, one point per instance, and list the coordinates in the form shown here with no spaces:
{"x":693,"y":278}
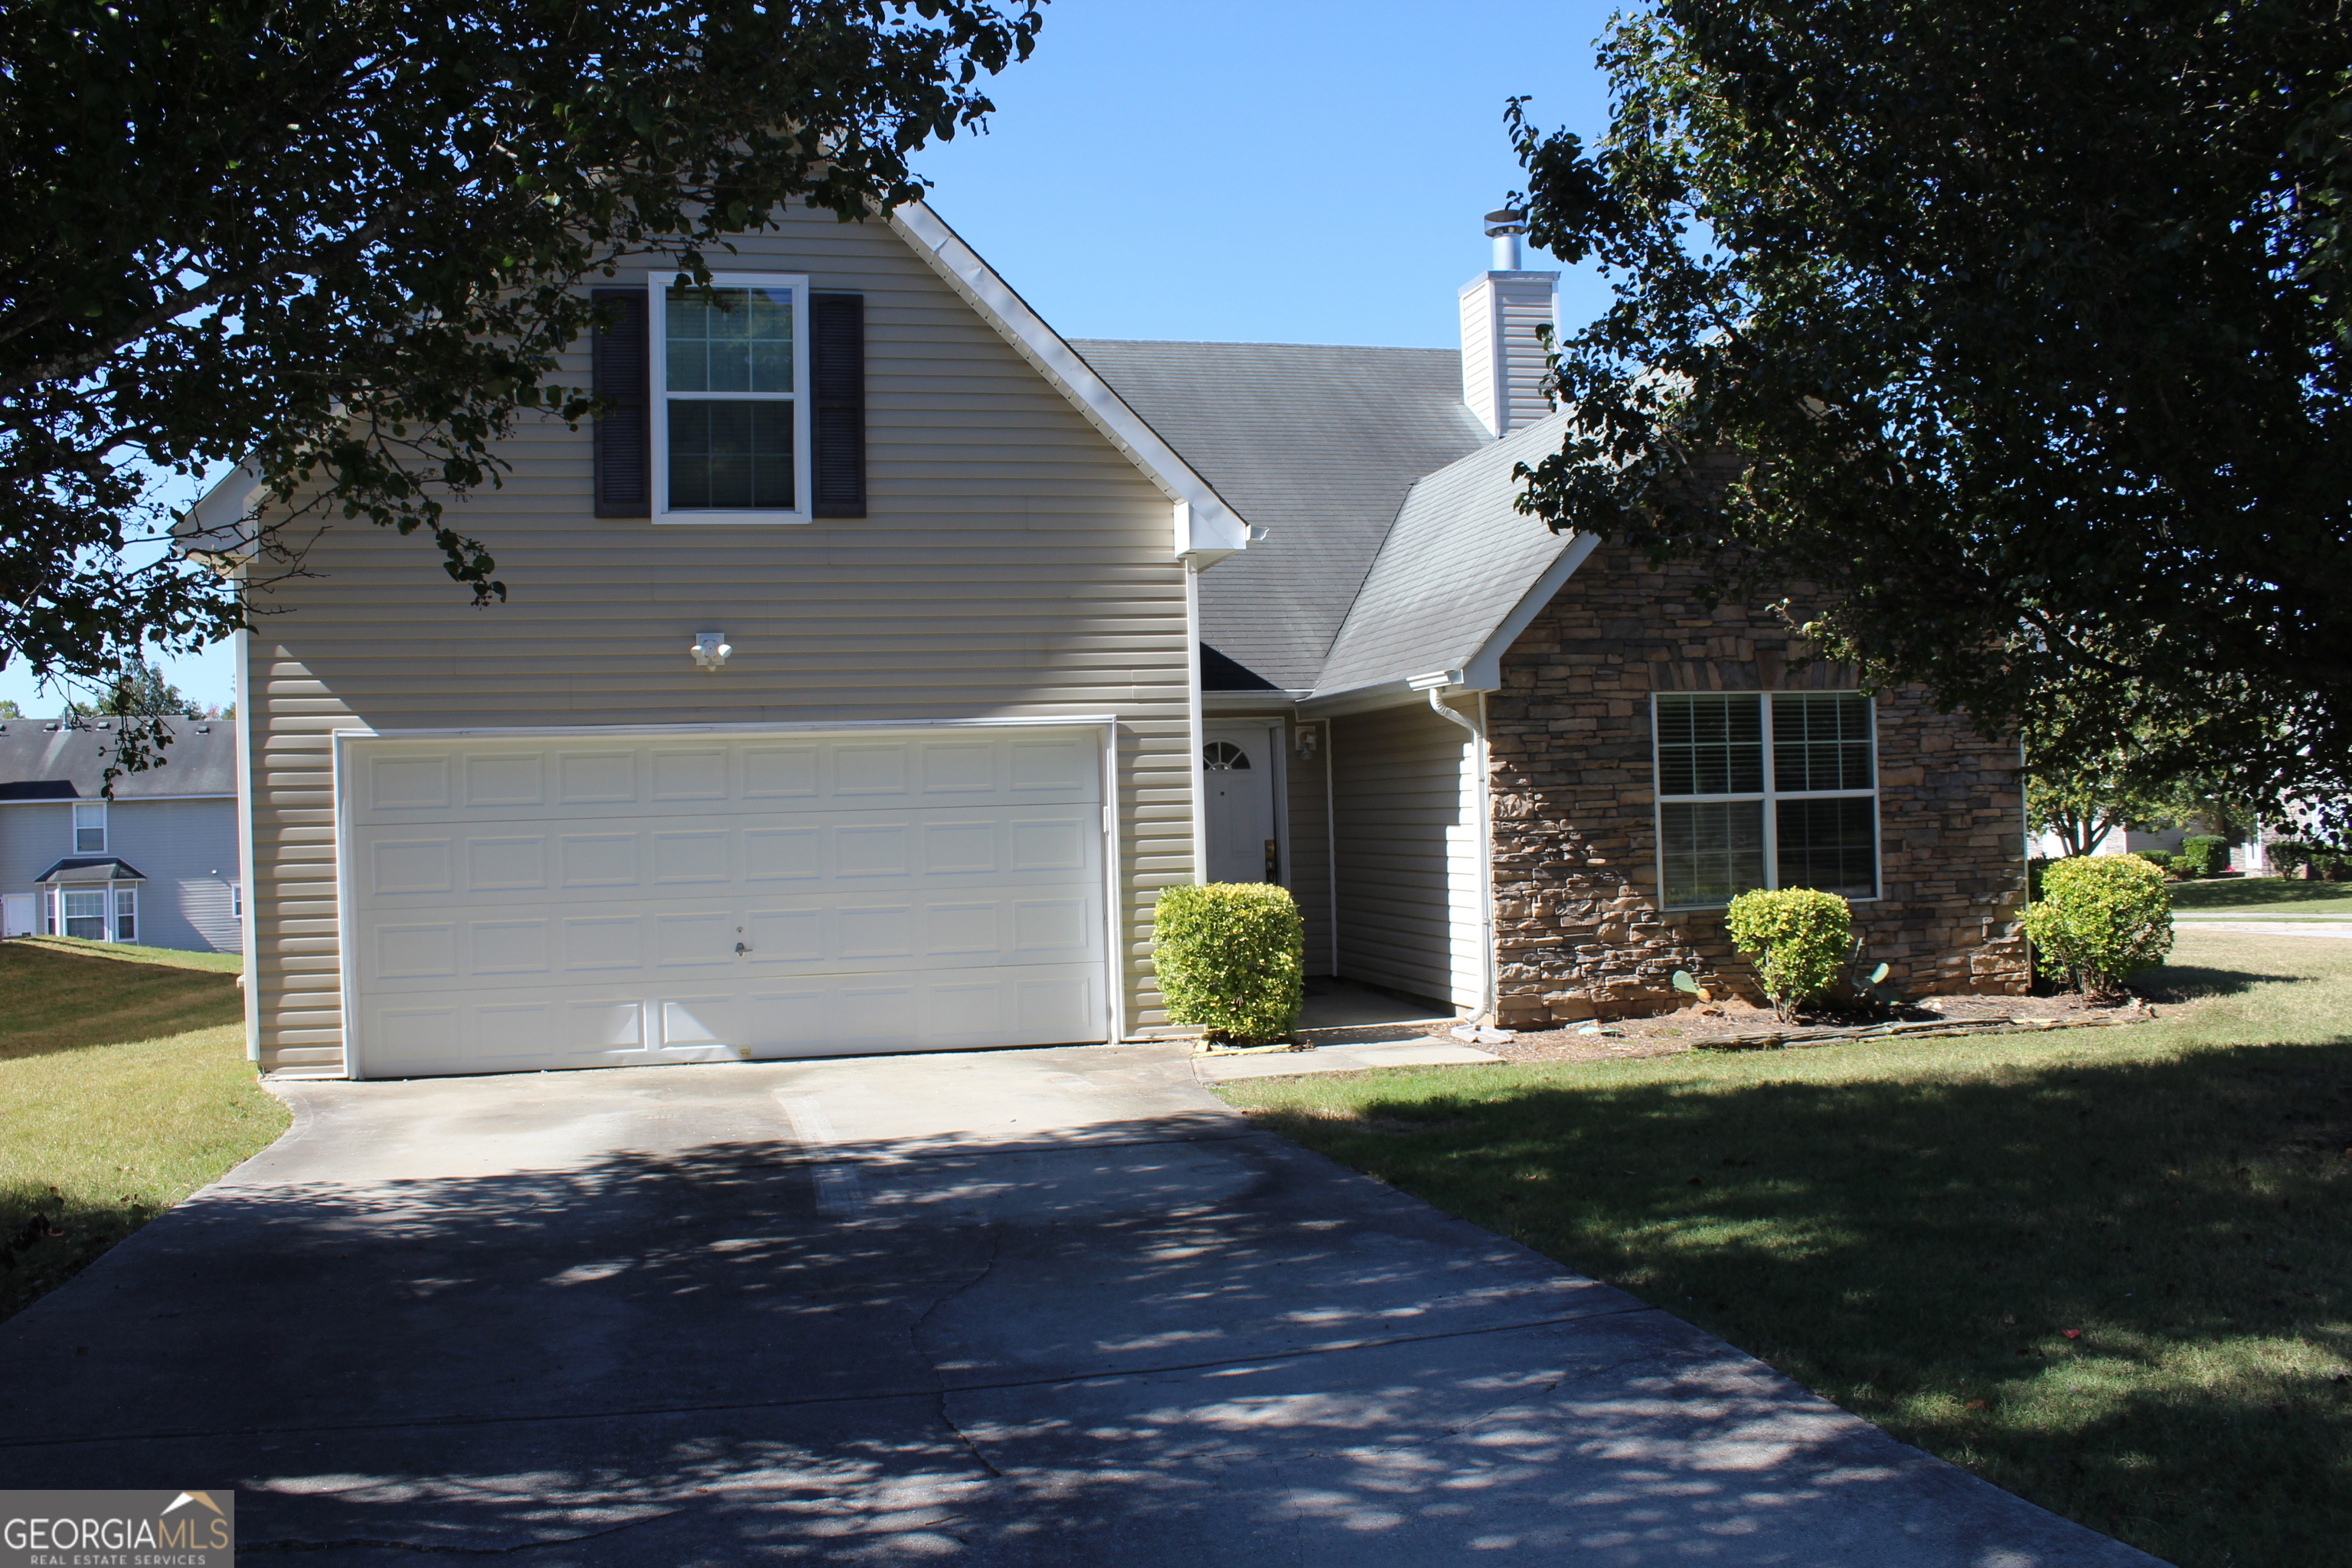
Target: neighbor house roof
{"x":1459,"y":576}
{"x":39,"y":763}
{"x":1317,"y":444}
{"x":92,"y":868}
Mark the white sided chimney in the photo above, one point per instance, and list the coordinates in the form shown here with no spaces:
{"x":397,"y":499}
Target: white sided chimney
{"x":1502,"y":356}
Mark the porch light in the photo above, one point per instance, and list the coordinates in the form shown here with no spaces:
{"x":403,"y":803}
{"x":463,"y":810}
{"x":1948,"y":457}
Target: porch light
{"x":711,"y":650}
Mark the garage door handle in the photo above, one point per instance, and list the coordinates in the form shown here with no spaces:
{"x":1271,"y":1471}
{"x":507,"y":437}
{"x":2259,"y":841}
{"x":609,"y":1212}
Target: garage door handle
{"x":740,"y":948}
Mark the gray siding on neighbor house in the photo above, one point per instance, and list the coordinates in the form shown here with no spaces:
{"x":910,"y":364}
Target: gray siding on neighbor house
{"x":1012,"y":564}
{"x":185,"y":849}
{"x":1410,"y":913}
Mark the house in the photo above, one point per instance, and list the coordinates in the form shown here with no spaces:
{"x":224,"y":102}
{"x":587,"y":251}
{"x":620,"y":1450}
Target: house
{"x":874,"y":663}
{"x":153,"y":863}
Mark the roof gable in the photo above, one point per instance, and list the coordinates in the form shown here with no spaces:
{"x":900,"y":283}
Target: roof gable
{"x":1459,"y":575}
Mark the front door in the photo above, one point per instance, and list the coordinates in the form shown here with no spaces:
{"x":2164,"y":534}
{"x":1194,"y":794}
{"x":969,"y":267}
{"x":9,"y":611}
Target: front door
{"x":17,"y":918}
{"x":1238,"y":764}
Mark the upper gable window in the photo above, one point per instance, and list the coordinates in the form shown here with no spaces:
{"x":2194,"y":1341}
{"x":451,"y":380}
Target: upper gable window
{"x":730,"y":418}
{"x":1764,"y":793}
{"x":89,"y":829}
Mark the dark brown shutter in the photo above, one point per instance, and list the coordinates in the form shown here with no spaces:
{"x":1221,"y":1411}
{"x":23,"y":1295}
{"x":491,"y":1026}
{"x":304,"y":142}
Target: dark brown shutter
{"x":624,"y":459}
{"x":838,"y":414}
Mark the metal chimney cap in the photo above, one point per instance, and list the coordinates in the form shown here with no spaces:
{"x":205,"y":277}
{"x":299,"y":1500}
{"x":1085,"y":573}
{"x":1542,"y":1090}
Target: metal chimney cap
{"x":1505,"y":221}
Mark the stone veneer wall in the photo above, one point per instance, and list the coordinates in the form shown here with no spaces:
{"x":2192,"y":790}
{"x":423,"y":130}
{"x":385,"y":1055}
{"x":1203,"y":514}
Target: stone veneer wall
{"x":1576,"y":875}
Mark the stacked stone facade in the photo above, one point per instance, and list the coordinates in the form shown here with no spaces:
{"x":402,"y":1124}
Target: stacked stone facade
{"x":1578,"y":924}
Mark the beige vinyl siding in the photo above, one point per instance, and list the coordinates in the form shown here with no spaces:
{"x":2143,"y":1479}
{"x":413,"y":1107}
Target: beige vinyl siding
{"x":1012,"y":564}
{"x":1410,"y":915}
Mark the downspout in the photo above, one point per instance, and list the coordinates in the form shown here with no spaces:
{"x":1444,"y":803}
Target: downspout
{"x":1489,"y":982}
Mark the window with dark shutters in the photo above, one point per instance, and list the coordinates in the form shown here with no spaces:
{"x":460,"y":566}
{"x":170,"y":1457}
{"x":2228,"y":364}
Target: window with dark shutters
{"x":624,"y":432}
{"x":837,"y":377}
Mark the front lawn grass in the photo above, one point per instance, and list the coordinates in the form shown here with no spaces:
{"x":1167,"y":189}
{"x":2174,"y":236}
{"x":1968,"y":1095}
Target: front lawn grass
{"x":2270,"y":894}
{"x":123,"y":1087}
{"x":1912,"y":1229}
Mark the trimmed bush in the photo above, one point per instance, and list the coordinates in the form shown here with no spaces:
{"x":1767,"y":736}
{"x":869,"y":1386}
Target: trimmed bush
{"x":1799,"y":937}
{"x":2156,"y":857}
{"x":2102,"y":918}
{"x":1232,"y":958}
{"x":2206,"y":855}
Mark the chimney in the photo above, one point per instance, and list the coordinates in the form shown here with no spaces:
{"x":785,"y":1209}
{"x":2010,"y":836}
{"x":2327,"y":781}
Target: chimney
{"x":1502,"y":358}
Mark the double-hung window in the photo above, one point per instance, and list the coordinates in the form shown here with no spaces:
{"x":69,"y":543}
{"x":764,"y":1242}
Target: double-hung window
{"x":86,"y":914}
{"x":730,"y":423}
{"x":126,"y":914}
{"x":89,"y":829}
{"x":1758,"y":790}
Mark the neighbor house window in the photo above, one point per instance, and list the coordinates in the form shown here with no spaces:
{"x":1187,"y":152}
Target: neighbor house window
{"x":730,"y":424}
{"x":89,"y":829}
{"x":48,"y":911}
{"x":1757,"y":791}
{"x":86,"y":915}
{"x":126,"y":914}
{"x":237,"y":901}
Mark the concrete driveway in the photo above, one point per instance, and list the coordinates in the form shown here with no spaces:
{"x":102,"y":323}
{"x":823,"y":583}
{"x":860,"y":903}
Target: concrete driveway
{"x":1033,"y":1308}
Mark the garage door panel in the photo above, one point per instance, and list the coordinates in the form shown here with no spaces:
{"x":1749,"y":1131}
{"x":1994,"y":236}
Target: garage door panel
{"x":820,"y":933}
{"x":518,"y":906}
{"x":507,"y":780}
{"x":402,"y":868}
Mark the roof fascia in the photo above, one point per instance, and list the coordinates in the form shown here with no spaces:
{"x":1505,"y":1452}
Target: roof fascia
{"x":1250,"y":701}
{"x":1206,"y":530}
{"x":214,"y":528}
{"x":1399,"y":693}
{"x":1484,"y":670}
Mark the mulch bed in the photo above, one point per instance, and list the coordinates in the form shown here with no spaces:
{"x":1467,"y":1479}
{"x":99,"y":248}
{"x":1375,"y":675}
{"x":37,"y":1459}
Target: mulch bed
{"x":1736,"y":1025}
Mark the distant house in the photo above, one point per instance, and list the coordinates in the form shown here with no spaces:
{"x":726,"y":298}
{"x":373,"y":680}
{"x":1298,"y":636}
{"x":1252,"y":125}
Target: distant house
{"x":156,"y":864}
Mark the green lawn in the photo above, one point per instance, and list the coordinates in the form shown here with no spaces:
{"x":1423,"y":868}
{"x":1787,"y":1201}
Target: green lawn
{"x":1913,"y":1229}
{"x":123,"y":1087}
{"x":2269,"y":895}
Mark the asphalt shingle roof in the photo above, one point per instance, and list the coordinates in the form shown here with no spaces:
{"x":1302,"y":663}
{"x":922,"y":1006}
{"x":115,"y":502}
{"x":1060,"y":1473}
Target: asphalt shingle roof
{"x":1452,"y":570}
{"x":1316,"y":444}
{"x":37,"y":763}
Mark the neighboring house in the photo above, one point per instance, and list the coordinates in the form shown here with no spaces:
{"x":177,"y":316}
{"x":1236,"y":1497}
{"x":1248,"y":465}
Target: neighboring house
{"x":870,"y":670}
{"x":156,"y":864}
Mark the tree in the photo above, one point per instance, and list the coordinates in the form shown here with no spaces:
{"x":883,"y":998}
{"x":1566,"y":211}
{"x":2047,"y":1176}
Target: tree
{"x":2023,"y":332}
{"x":137,"y":691}
{"x":341,"y":242}
{"x":8,"y":708}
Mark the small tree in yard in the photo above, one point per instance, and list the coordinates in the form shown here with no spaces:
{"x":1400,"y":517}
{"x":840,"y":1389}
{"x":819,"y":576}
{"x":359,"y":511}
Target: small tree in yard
{"x":1232,"y":960}
{"x":1799,"y":937}
{"x":2101,"y":919}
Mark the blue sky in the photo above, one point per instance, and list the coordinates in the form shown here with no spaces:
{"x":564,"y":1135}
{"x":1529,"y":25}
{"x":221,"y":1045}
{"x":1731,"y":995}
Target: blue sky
{"x":1290,"y":171}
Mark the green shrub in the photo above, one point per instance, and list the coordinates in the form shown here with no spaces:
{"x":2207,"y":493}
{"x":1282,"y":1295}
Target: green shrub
{"x":2206,"y":856}
{"x":2156,"y":857}
{"x":2034,"y":865}
{"x":1800,"y":936}
{"x":1232,"y":960}
{"x":2100,"y":918}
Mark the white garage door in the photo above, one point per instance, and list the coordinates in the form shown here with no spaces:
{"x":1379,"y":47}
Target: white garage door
{"x":513,"y":904}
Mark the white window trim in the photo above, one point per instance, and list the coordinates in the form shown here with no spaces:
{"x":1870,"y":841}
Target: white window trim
{"x":73,"y":817}
{"x":658,"y":285}
{"x":1770,"y":796}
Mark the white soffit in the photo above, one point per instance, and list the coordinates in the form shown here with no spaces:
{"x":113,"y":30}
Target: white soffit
{"x":1205,"y":526}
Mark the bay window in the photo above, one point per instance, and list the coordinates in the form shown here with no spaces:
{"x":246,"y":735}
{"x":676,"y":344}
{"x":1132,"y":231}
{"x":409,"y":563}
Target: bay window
{"x":1765,"y":790}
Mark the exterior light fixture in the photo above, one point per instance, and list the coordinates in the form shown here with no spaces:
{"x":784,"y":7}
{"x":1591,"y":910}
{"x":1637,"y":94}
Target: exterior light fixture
{"x":1308,"y":737}
{"x":711,"y":650}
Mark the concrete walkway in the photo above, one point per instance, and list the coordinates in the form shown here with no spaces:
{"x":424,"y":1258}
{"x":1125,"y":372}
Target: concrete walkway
{"x":1051,"y":1307}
